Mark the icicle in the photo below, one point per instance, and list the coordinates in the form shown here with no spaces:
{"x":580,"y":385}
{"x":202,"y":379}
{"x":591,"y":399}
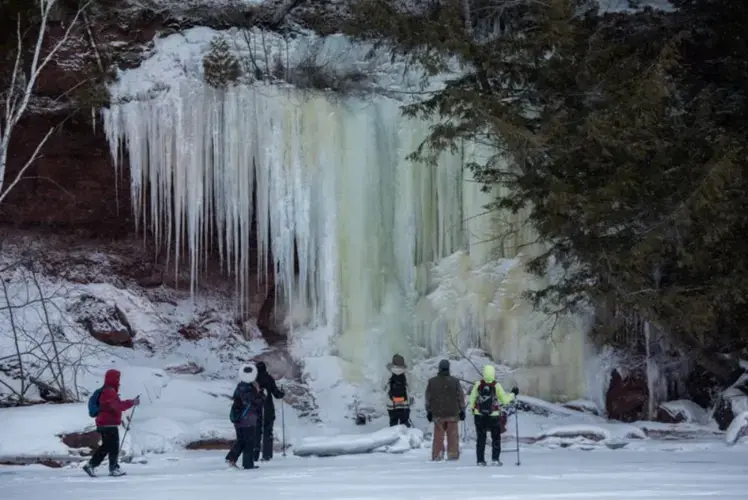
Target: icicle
{"x":329,"y":187}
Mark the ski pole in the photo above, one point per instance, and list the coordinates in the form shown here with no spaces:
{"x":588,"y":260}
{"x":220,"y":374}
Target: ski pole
{"x":283,"y":426}
{"x":127,"y":428}
{"x":516,"y":430}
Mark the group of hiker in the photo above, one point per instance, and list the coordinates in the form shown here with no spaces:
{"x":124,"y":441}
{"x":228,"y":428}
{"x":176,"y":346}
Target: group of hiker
{"x":253,"y":413}
{"x":445,"y":407}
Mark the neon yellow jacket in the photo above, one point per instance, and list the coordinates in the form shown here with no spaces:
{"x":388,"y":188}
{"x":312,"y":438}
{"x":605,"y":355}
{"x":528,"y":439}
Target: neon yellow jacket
{"x":489,"y":375}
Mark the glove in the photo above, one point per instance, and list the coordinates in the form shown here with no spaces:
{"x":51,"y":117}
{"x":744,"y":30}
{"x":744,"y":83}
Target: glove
{"x":136,"y":401}
{"x":429,"y":416}
{"x":282,"y":394}
{"x":515,"y":390}
{"x":462,"y":414}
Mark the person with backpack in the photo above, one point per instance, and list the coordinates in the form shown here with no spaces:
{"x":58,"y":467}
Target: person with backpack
{"x":445,"y":404}
{"x":246,"y":409}
{"x":486,"y":399}
{"x":264,"y":429}
{"x":398,"y":403}
{"x":106,"y":406}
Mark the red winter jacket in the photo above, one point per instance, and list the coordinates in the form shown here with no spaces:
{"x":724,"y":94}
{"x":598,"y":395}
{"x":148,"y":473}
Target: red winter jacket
{"x":110,"y":406}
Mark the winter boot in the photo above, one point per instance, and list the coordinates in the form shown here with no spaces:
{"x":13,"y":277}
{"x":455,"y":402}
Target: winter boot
{"x":481,"y":464}
{"x":231,"y":463}
{"x":89,"y":470}
{"x":497,"y":463}
{"x":117,"y":472}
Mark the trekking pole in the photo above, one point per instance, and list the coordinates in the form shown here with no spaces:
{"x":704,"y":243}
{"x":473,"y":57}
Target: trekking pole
{"x":283,"y":426}
{"x":516,"y":430}
{"x":127,"y":428}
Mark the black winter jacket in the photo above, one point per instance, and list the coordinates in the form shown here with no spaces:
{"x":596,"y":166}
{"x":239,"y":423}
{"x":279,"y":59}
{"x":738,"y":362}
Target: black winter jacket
{"x":269,"y":387}
{"x":246,"y":404}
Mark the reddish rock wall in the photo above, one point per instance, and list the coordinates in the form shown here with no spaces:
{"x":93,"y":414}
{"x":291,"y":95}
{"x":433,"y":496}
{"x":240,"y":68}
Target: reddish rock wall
{"x":72,"y":192}
{"x":72,"y":186}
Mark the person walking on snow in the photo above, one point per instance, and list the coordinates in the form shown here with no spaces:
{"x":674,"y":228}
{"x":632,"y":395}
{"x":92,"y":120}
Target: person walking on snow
{"x":486,"y":399}
{"x":108,"y":421}
{"x":245,"y":413}
{"x":445,"y":404}
{"x":398,"y":403}
{"x":264,"y":432}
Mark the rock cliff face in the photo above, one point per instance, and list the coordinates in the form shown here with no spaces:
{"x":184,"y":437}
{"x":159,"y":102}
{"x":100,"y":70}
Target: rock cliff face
{"x":72,"y":190}
{"x":73,"y":186}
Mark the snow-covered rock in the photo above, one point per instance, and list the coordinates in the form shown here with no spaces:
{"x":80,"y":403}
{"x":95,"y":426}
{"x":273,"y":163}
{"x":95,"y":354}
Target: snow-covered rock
{"x":34,"y":431}
{"x":583,"y":405}
{"x":594,"y":433}
{"x":410,"y":440}
{"x":738,"y":429}
{"x":397,"y":439}
{"x":544,"y":408}
{"x":684,"y":411}
{"x":733,"y":401}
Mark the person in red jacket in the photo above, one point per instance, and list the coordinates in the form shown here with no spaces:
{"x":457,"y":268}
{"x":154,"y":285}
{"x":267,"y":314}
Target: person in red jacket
{"x":107,"y":424}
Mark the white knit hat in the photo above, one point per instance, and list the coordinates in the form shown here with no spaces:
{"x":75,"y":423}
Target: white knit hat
{"x":248,"y":373}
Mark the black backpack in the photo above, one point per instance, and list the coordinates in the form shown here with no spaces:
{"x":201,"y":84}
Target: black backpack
{"x":486,"y":403}
{"x":398,"y":387}
{"x":242,"y":404}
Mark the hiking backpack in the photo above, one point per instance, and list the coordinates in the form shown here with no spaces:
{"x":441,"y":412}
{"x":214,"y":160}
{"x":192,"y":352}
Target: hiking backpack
{"x":398,"y":389}
{"x":93,"y":403}
{"x":238,"y":411}
{"x":486,"y":403}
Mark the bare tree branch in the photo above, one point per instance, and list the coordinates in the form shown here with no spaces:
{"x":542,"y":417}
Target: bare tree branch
{"x":23,"y":86}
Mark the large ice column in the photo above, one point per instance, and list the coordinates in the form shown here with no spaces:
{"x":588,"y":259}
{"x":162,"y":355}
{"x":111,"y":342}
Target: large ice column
{"x":331,"y":184}
{"x":475,"y":297}
{"x":392,"y":255}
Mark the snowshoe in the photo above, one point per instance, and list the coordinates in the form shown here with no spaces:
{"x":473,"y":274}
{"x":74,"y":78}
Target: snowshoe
{"x":497,"y":463}
{"x":89,"y":470}
{"x":117,"y":472}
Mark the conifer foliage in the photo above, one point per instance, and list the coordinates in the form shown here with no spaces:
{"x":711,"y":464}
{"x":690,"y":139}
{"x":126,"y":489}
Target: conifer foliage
{"x":629,"y":146}
{"x":221,"y":68}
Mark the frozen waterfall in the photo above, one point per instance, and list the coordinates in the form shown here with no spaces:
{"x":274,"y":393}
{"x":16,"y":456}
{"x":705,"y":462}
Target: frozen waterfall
{"x":392,"y":255}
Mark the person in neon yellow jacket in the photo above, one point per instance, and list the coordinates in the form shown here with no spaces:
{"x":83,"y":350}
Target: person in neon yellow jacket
{"x":486,"y":399}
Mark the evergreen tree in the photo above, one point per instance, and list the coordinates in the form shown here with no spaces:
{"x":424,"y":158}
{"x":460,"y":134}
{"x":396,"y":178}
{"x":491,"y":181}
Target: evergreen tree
{"x":220,"y":66}
{"x":627,"y":146}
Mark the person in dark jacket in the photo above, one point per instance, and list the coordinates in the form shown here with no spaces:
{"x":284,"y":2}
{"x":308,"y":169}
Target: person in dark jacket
{"x":398,"y":402}
{"x":107,"y":424}
{"x":264,"y":432}
{"x":445,"y":405}
{"x":245,"y":414}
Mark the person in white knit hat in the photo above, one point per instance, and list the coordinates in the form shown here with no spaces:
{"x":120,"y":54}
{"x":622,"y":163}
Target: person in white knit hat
{"x":245,"y":412}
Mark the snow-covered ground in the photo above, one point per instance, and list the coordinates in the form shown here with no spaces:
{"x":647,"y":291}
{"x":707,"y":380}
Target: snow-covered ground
{"x":565,"y":453}
{"x":561,"y":474}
